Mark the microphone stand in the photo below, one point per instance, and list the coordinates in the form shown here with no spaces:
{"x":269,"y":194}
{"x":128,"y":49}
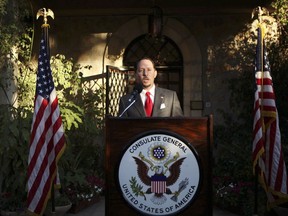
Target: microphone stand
{"x":127,"y":108}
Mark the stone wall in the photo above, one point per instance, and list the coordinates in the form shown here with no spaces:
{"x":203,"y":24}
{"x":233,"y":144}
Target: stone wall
{"x":101,"y":41}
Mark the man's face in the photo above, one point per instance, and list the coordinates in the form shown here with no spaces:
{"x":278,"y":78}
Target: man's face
{"x":146,"y":73}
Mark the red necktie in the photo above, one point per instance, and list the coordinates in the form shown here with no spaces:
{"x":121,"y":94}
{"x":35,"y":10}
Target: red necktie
{"x":148,"y":105}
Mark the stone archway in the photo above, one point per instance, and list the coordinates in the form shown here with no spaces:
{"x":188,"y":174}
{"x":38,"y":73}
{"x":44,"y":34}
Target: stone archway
{"x":180,"y":34}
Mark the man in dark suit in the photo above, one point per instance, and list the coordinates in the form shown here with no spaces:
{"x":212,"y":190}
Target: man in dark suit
{"x":158,"y":102}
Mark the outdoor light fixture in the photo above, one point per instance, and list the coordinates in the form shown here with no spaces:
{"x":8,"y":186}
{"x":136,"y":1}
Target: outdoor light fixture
{"x":155,"y":22}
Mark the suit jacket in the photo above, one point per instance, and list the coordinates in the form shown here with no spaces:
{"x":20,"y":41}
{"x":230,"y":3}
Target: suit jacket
{"x":166,"y":104}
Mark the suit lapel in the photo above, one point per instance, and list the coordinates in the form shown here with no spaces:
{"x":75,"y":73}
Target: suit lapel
{"x":157,"y":101}
{"x":139,"y":106}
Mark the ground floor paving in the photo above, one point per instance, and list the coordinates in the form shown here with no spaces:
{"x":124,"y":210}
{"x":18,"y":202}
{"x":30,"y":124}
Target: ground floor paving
{"x":98,"y":209}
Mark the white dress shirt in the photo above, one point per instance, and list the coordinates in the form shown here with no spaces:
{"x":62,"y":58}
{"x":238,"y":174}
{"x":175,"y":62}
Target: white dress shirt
{"x":152,"y":95}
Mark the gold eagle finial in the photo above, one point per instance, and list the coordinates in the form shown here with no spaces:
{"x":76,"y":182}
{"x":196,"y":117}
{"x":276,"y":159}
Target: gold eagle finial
{"x":261,"y":18}
{"x":261,"y":13}
{"x":45,"y":13}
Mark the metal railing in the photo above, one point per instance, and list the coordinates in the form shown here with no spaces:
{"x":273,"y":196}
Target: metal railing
{"x":113,"y":83}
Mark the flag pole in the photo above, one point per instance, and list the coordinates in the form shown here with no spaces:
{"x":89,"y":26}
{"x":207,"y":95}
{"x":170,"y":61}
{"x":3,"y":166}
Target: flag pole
{"x":45,"y":26}
{"x":260,"y":38}
{"x":268,"y":162}
{"x":47,"y":142}
{"x":256,"y":192}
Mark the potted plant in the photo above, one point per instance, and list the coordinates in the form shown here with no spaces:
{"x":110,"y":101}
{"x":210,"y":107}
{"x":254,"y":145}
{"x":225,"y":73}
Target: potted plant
{"x":85,"y":195}
{"x":62,"y":204}
{"x":81,"y":168}
{"x":81,"y":178}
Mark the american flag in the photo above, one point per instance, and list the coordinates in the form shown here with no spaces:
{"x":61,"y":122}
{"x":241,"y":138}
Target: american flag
{"x":268,"y":162}
{"x":47,"y":141}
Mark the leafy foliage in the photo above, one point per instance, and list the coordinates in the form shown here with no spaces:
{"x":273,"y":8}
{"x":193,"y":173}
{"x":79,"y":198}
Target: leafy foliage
{"x":14,"y":15}
{"x":79,"y":109}
{"x":136,"y":188}
{"x":14,"y":118}
{"x":233,"y":178}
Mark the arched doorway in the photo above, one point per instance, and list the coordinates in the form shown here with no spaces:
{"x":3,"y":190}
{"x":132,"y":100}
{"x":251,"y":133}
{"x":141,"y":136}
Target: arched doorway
{"x":167,"y":57}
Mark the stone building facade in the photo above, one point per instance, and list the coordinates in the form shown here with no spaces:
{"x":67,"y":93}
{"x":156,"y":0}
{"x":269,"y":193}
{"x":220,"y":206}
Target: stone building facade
{"x":98,"y":35}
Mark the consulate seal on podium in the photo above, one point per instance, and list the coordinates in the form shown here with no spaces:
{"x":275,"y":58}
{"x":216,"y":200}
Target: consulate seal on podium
{"x":159,"y":173}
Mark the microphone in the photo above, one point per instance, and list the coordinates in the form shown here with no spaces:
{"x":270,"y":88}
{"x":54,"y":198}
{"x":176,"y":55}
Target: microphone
{"x":137,"y":90}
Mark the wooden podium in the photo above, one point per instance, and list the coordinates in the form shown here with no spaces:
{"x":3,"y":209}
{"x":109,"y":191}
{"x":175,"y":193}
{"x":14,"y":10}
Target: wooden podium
{"x":121,"y":131}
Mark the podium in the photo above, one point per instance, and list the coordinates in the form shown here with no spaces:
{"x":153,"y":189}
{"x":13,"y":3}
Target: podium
{"x":127,"y":189}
